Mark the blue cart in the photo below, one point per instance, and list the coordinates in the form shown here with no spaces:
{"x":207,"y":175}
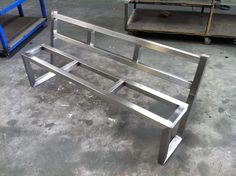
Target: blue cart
{"x":15,"y":29}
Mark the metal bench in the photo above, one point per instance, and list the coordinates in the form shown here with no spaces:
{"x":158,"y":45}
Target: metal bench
{"x":180,"y":115}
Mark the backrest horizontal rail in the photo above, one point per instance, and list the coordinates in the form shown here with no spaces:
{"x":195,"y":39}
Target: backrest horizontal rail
{"x":142,"y":42}
{"x":159,"y":73}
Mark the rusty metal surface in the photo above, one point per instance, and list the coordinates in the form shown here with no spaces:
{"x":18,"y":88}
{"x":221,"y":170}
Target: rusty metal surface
{"x":183,"y":2}
{"x":223,"y":26}
{"x":181,"y":22}
{"x":176,"y":22}
{"x":175,"y":2}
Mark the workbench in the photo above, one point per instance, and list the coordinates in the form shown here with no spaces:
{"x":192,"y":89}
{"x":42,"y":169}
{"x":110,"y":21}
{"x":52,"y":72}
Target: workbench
{"x":203,"y":21}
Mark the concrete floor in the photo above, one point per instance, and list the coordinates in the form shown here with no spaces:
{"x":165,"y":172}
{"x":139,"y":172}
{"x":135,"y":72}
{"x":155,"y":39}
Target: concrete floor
{"x":59,"y":129}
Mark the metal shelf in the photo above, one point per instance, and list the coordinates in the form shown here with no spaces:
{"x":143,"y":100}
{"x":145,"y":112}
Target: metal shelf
{"x":16,"y":29}
{"x":10,"y":6}
{"x":223,"y":26}
{"x":208,"y":24}
{"x":197,"y":3}
{"x":152,"y":21}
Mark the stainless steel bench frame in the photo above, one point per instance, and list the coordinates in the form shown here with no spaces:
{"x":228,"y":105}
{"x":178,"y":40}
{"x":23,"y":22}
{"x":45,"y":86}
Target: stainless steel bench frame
{"x":177,"y":120}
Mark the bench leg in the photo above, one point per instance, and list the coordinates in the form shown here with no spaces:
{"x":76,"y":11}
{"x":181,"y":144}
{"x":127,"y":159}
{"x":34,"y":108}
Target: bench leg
{"x":167,"y":145}
{"x":29,"y":71}
{"x":182,"y":124}
{"x":41,"y":79}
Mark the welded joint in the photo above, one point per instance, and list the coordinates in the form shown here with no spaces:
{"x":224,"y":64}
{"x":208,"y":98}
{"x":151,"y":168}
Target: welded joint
{"x":91,"y":37}
{"x":137,"y":53}
{"x":53,"y":14}
{"x":117,"y":86}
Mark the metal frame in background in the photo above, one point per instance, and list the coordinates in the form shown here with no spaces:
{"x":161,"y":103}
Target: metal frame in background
{"x":6,"y":45}
{"x":178,"y":119}
{"x":214,"y":24}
